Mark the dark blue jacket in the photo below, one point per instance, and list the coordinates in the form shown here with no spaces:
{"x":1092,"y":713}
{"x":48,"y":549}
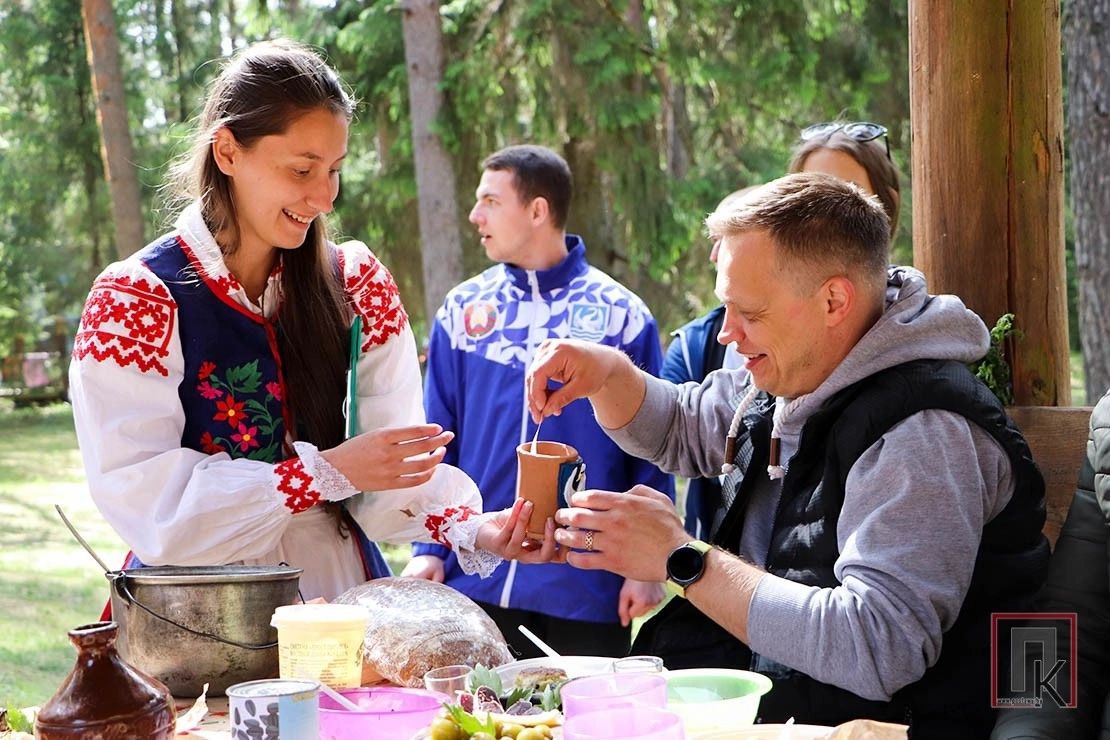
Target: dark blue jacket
{"x":694,"y":353}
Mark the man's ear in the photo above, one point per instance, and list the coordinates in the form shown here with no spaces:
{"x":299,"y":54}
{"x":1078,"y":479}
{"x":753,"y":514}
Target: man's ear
{"x":839,"y":296}
{"x":540,"y":210}
{"x":225,"y":150}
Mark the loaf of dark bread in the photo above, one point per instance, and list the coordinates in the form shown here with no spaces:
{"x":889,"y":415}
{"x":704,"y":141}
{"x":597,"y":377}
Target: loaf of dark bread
{"x":417,"y":625}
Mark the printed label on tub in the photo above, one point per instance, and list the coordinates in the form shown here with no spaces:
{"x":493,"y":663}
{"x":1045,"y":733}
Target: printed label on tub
{"x":274,"y":710}
{"x":334,"y":662}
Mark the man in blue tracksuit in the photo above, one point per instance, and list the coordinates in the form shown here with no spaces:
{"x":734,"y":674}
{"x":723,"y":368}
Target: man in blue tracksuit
{"x":482,"y":341}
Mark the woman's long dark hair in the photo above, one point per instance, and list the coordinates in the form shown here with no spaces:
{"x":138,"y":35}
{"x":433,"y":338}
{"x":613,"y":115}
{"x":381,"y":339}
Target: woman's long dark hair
{"x":261,"y":92}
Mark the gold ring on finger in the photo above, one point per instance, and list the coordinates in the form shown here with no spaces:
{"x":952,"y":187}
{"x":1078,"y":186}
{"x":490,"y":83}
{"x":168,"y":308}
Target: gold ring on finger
{"x":589,"y":540}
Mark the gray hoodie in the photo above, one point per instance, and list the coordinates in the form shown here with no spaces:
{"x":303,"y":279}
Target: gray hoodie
{"x":914,"y":508}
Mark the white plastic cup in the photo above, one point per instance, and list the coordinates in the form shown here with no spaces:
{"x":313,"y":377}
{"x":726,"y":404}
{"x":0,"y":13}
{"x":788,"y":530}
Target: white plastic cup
{"x":323,"y":642}
{"x":638,"y":664}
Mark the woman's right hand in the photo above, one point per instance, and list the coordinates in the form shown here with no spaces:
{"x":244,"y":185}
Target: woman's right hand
{"x":426,"y":567}
{"x":398,"y":457}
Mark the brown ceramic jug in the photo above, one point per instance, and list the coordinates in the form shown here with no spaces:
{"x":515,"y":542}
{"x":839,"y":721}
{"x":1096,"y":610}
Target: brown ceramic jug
{"x":103,"y":698}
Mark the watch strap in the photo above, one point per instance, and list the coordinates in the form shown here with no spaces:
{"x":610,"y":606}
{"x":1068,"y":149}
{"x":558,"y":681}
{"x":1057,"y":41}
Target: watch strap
{"x":677,"y":589}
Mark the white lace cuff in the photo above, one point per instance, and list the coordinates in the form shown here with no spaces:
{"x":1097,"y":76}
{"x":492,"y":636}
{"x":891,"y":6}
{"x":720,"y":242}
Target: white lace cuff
{"x":332,"y":485}
{"x":463,"y":536}
{"x":457,"y":528}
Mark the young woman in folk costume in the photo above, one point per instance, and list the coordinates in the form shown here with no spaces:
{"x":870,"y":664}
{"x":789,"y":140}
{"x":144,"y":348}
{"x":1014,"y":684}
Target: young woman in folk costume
{"x":208,"y":374}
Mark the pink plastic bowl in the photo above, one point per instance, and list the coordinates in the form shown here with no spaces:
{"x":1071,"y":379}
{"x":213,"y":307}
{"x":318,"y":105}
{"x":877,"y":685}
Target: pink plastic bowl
{"x":612,"y":690}
{"x":388,"y":713}
{"x":625,"y":723}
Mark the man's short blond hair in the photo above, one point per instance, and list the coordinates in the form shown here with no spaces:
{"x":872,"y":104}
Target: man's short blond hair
{"x":821,"y":226}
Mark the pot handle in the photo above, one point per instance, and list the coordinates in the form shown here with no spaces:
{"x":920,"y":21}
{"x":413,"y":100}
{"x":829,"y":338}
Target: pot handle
{"x":119,"y":582}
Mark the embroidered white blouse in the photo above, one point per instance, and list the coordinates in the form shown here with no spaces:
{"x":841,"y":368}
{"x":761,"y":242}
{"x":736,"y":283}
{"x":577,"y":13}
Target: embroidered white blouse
{"x":176,"y":505}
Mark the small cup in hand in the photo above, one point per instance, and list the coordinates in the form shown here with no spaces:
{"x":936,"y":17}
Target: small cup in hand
{"x":547,"y":478}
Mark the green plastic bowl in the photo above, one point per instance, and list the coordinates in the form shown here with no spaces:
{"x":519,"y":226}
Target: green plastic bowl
{"x":710,"y":699}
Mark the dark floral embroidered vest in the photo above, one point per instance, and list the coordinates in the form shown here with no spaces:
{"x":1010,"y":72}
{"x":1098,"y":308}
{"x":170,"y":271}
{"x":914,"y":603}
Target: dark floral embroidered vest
{"x":233,"y":389}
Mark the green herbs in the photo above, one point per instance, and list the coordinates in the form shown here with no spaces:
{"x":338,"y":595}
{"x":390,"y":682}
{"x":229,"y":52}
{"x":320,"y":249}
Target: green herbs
{"x":550,"y":698}
{"x":17,"y":722}
{"x":469,"y":723}
{"x":993,"y":369}
{"x":482,"y":676}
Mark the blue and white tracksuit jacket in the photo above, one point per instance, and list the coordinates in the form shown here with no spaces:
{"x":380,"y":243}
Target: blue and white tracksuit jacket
{"x":483,"y":339}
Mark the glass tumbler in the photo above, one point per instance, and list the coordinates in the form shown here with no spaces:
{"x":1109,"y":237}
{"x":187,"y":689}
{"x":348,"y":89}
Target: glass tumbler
{"x":447,"y":680}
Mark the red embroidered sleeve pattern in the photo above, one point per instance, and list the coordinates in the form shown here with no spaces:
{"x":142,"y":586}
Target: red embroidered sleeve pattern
{"x":127,"y":321}
{"x":374,"y":296}
{"x":439,"y":524}
{"x":296,"y":485}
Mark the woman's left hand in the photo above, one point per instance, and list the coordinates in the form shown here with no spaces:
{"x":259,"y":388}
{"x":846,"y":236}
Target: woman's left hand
{"x":506,"y":535}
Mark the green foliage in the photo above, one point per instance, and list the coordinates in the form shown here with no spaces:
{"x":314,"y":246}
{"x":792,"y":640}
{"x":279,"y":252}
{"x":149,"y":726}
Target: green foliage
{"x":483,"y":676}
{"x":550,"y":698}
{"x":468,"y":722}
{"x":661,"y":107}
{"x":17,"y":722}
{"x":993,"y":369}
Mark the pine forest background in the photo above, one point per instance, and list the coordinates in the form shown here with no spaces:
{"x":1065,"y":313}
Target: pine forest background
{"x":661,"y":107}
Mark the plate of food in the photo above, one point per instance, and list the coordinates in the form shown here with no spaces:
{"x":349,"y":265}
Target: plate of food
{"x":541,"y":671}
{"x":528,"y":708}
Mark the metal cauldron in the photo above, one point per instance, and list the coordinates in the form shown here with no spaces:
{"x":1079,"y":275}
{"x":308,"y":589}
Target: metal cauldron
{"x":191,"y":626}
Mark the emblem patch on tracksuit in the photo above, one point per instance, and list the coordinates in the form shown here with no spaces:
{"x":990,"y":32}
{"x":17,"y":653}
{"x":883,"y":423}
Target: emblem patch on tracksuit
{"x":588,"y":321}
{"x":479,"y":319}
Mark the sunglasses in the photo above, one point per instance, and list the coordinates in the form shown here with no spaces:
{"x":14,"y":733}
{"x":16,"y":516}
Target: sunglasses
{"x":861,"y":131}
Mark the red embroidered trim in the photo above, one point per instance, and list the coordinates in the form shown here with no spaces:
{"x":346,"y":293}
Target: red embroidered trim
{"x":127,"y":321}
{"x":435,"y":523}
{"x":374,"y":296}
{"x":296,"y":485}
{"x":220,"y":285}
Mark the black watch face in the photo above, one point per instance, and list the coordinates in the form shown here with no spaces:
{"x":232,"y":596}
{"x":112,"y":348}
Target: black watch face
{"x":685,"y":564}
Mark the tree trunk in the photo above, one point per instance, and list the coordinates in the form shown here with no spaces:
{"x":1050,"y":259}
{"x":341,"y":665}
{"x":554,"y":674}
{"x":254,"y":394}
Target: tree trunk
{"x":676,"y":125}
{"x":181,"y":44}
{"x":440,"y":242}
{"x":90,"y":173}
{"x":215,"y":37}
{"x":164,"y":50}
{"x":987,"y":120}
{"x":111,"y":114}
{"x":1086,"y":41}
{"x":232,"y":26}
{"x":590,"y":201}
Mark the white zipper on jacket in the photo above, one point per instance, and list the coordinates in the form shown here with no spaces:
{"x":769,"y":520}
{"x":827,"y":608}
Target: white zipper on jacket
{"x":685,"y":347}
{"x":530,"y":345}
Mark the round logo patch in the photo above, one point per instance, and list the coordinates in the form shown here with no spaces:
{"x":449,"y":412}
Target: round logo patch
{"x":479,"y":319}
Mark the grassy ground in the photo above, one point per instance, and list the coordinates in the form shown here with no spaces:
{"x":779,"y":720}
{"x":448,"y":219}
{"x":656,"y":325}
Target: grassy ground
{"x":1078,"y":389}
{"x":50,"y":585}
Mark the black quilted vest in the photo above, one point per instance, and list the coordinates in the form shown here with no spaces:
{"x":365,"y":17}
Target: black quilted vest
{"x":952,"y":698}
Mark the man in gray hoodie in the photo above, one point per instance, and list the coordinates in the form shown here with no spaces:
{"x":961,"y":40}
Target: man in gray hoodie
{"x":878,"y":504}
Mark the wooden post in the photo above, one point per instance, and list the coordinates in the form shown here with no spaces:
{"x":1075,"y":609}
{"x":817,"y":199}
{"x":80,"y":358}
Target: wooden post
{"x":988,"y":173}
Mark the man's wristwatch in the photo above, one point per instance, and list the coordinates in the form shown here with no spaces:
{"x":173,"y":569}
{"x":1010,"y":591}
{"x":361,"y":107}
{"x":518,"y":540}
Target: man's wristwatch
{"x":685,"y":565}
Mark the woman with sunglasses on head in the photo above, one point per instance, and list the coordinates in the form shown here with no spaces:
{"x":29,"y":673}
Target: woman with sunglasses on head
{"x":858,"y":152}
{"x":208,"y":373}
